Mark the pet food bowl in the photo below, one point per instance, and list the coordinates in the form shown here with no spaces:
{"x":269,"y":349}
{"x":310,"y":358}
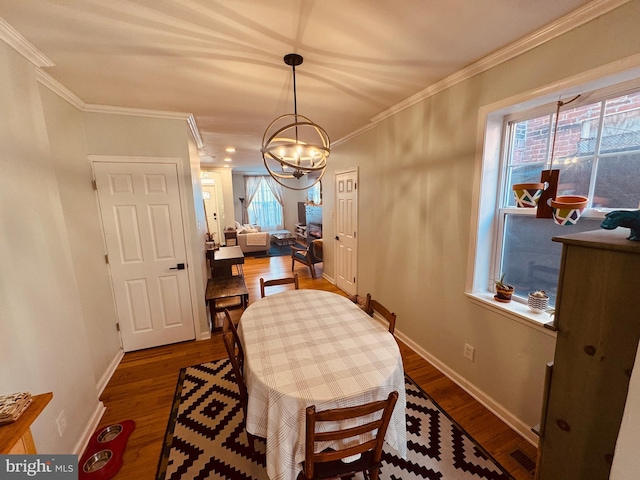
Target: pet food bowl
{"x":97,"y":461}
{"x":109,"y":433}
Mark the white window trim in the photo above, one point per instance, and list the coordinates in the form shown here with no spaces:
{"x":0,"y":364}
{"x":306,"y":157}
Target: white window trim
{"x":485,"y":216}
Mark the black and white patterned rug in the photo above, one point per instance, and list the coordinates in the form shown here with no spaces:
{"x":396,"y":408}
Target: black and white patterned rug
{"x":205,"y":437}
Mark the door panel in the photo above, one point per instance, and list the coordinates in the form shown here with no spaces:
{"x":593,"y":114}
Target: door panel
{"x":346,"y":226}
{"x":142,"y":221}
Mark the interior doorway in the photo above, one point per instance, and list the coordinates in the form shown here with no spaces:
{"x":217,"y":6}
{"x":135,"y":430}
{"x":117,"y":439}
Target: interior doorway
{"x":346,"y":188}
{"x":211,"y":209}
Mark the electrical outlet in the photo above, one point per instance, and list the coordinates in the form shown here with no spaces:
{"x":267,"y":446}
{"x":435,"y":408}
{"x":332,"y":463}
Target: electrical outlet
{"x":469,"y":352}
{"x":61,"y":422}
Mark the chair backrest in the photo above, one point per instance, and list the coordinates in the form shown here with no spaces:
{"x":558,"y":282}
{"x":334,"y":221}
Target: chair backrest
{"x":329,"y":460}
{"x":316,"y":250}
{"x":278,"y":281}
{"x":372,"y":305}
{"x":236,"y":355}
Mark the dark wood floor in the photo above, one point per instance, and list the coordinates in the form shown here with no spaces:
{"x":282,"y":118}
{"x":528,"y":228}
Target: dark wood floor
{"x":144,"y":383}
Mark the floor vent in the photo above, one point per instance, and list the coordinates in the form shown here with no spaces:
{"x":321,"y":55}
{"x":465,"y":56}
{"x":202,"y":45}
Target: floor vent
{"x":524,"y":460}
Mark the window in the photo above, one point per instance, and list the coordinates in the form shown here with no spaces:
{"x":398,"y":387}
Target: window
{"x":264,"y":209}
{"x":314,"y":194}
{"x":597,"y":151}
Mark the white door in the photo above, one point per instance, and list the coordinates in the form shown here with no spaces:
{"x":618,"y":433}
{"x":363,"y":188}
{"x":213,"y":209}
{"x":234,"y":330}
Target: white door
{"x":346,"y":229}
{"x":142,"y":222}
{"x":210,"y":198}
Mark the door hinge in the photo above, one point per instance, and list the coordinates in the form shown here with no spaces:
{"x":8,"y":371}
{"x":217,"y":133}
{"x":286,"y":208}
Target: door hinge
{"x":118,"y":326}
{"x":354,"y":234}
{"x":354,"y":279}
{"x":355,"y":185}
{"x":94,"y":184}
{"x":106,"y":259}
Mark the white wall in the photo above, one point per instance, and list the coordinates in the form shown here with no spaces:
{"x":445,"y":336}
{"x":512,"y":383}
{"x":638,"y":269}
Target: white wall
{"x":415,"y":197}
{"x":626,"y":461}
{"x":45,"y":346}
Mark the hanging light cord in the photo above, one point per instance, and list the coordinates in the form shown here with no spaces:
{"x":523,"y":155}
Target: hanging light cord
{"x":555,"y":130}
{"x":295,"y":99}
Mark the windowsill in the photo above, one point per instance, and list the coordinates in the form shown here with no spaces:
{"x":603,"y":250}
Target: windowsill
{"x":514,"y":310}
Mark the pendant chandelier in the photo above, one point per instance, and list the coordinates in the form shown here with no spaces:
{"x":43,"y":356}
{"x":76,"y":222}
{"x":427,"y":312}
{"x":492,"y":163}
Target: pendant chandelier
{"x":294,"y":148}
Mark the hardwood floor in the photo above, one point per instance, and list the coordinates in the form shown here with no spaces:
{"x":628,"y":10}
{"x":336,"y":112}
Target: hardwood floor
{"x":144,"y":383}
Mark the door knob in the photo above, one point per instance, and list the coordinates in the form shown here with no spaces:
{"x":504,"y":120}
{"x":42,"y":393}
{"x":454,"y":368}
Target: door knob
{"x":337,"y":238}
{"x":179,"y":266}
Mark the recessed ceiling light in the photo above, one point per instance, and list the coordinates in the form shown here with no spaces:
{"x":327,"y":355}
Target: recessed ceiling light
{"x":227,"y":159}
{"x":230,"y":149}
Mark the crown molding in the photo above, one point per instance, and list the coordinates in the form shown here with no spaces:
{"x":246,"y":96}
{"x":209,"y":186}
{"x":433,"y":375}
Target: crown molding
{"x":191,"y":121}
{"x":570,"y":21}
{"x":59,"y":89}
{"x":23,"y":46}
{"x":355,"y":133}
{"x":138,"y":112}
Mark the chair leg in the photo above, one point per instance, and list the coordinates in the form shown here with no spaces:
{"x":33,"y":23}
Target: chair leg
{"x":313,"y":270}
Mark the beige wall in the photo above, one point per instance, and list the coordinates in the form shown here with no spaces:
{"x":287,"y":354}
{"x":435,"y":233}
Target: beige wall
{"x":73,"y":174}
{"x":416,"y":178}
{"x":58,"y":317}
{"x":45,"y":341}
{"x":129,"y":136}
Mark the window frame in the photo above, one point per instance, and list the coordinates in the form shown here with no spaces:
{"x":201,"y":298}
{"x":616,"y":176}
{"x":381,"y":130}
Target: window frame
{"x":490,"y":188}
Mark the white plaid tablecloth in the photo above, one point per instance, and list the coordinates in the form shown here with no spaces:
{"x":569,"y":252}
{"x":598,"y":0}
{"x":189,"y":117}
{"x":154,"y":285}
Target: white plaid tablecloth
{"x":310,"y":347}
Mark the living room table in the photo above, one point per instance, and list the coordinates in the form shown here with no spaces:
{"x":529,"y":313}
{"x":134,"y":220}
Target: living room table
{"x":312,"y":347}
{"x":283,"y":238}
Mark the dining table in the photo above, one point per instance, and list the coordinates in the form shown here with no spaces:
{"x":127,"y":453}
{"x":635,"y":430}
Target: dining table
{"x":313,"y":347}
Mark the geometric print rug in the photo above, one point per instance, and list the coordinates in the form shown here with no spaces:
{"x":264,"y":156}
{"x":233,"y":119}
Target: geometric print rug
{"x":205,"y":438}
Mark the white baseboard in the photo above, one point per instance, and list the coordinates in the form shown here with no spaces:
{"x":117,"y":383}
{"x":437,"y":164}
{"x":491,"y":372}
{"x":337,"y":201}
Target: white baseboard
{"x":108,"y":373}
{"x":204,"y":335}
{"x":89,"y":429}
{"x":494,"y":407}
{"x":328,"y":278}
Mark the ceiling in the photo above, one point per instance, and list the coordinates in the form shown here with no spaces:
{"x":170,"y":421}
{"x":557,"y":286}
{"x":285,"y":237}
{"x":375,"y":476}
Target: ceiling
{"x":222,"y":60}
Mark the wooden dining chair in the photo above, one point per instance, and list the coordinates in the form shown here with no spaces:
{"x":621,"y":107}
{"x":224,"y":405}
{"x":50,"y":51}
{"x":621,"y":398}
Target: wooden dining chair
{"x":372,"y":306}
{"x":278,"y":281}
{"x":309,"y":255}
{"x":236,"y":357}
{"x":328,"y":463}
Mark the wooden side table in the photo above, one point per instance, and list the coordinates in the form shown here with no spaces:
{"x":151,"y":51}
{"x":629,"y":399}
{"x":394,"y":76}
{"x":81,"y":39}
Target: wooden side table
{"x":16,"y":438}
{"x":223,"y":259}
{"x":230,"y":235}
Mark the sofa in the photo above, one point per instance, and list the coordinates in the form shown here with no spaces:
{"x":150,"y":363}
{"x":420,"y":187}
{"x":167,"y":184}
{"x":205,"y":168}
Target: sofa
{"x":252,"y":239}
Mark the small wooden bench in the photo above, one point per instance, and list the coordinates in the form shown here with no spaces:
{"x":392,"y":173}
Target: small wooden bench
{"x":230,"y":293}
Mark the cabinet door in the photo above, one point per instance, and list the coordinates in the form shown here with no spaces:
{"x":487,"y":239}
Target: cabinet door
{"x":598,"y":332}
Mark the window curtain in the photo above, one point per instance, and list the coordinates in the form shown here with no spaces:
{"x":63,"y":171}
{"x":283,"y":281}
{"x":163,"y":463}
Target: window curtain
{"x":251,"y":185}
{"x":263,"y":208}
{"x":276,"y":189}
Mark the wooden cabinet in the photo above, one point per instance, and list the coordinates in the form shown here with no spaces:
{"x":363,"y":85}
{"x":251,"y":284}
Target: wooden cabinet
{"x":598,"y":323}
